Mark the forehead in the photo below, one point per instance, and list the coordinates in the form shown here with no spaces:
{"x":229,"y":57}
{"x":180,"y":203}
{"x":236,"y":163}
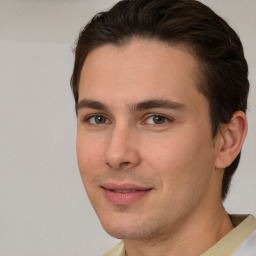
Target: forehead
{"x":145,"y":68}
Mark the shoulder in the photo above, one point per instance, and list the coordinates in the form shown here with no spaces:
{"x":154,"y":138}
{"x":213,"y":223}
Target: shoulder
{"x":240,"y":241}
{"x":248,"y":245}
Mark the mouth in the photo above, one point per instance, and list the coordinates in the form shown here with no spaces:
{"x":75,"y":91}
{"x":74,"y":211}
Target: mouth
{"x":124,"y":191}
{"x":124,"y":194}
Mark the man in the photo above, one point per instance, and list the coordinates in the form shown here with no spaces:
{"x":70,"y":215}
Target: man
{"x":161,"y":92}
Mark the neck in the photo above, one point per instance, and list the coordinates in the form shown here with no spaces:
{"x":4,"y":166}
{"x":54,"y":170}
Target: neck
{"x":196,"y":235}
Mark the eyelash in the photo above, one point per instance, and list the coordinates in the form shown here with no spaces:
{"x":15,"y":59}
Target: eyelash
{"x":87,"y":119}
{"x":166,"y":119}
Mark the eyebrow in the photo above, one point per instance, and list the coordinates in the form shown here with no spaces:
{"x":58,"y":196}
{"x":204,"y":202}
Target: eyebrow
{"x":157,"y":103}
{"x":141,"y":106}
{"x":85,"y":103}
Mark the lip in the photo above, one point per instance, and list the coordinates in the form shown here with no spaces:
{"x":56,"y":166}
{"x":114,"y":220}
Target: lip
{"x":120,"y":195}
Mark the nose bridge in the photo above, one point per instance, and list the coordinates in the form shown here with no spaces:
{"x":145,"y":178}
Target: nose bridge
{"x":121,"y":150}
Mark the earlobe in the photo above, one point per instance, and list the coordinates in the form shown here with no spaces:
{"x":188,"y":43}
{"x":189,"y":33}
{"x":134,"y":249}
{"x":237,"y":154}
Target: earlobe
{"x":232,"y":139}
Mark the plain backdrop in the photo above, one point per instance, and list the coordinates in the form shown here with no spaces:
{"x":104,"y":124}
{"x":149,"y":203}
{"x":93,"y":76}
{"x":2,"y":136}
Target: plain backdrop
{"x":44,"y":208}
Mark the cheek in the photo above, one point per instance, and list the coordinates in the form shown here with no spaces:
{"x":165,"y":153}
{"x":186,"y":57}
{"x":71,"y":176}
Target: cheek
{"x":181,"y":159}
{"x":89,"y":154}
{"x":170,"y":153}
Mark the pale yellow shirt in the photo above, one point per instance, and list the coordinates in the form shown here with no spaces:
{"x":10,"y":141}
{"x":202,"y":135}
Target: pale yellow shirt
{"x":245,"y":225}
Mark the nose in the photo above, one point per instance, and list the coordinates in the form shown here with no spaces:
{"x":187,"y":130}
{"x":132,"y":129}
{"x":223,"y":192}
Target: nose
{"x":122,"y":150}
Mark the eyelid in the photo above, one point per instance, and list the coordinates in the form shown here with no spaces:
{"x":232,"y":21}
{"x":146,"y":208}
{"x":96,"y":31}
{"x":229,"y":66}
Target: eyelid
{"x":167,"y":118}
{"x":86,"y":118}
{"x":89,"y":116}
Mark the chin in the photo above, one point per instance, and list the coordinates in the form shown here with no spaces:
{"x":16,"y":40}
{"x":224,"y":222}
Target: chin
{"x":118,"y":229}
{"x":125,"y":234}
{"x":133,"y":229}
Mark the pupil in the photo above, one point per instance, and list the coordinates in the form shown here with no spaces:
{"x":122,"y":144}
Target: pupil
{"x":159,"y":119}
{"x":100,"y":119}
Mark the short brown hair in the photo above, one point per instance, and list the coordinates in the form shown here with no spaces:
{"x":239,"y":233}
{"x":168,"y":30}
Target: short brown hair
{"x":211,"y":40}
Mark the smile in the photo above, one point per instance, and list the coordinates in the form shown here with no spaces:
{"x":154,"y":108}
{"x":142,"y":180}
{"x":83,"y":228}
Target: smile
{"x":124,"y":191}
{"x":124,"y":194}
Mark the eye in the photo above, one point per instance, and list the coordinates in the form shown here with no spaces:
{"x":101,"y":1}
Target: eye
{"x":97,"y":119}
{"x":157,"y":119}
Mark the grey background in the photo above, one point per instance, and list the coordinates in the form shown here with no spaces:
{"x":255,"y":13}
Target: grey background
{"x":44,"y":209}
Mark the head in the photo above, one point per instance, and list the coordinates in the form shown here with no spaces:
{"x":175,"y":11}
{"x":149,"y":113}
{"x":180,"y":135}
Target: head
{"x":216,"y":46}
{"x":223,"y":68}
{"x":187,"y":23}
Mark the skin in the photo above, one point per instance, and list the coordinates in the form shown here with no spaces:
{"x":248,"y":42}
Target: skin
{"x":165,"y":147}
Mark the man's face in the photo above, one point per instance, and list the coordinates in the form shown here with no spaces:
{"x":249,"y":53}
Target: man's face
{"x":144,"y":141}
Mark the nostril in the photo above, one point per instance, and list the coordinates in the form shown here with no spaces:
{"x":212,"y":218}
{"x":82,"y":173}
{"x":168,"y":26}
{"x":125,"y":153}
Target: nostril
{"x":124,"y":164}
{"x":120,"y":166}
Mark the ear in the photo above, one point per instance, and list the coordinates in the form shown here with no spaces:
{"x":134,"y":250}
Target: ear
{"x":232,"y":137}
